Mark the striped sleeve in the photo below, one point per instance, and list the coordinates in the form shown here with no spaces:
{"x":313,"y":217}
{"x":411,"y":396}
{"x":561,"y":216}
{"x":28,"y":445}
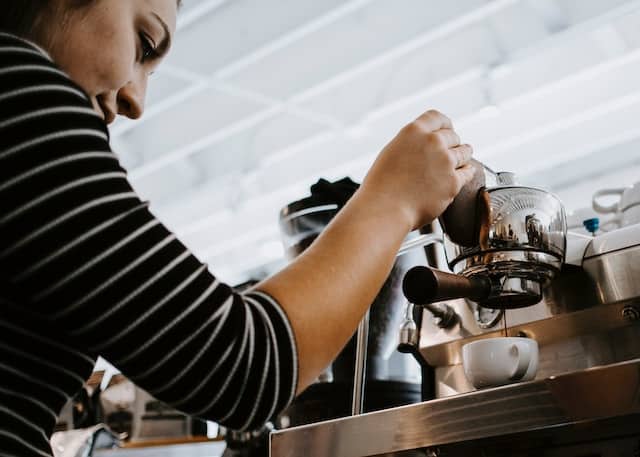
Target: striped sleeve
{"x":80,"y":248}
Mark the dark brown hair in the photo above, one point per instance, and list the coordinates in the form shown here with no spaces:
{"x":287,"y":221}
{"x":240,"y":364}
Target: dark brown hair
{"x":24,"y":17}
{"x":20,"y":17}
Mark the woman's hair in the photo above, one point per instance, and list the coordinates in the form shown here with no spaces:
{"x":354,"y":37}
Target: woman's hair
{"x":25,"y":17}
{"x":20,"y":17}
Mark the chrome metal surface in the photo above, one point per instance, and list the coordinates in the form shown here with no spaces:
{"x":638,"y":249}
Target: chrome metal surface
{"x":409,"y":334}
{"x":503,"y":178}
{"x":616,"y":275}
{"x":300,"y":226}
{"x":419,"y":242}
{"x":361,"y":366}
{"x":509,"y":262}
{"x":515,"y":292}
{"x":575,"y":398}
{"x":206,"y":449}
{"x":615,"y":240}
{"x":587,"y":318}
{"x":522,"y":234}
{"x":557,"y":354}
{"x":514,"y":235}
{"x":486,"y":317}
{"x":579,"y":300}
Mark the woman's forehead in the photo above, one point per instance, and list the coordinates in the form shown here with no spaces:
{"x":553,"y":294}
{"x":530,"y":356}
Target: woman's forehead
{"x":167,"y":10}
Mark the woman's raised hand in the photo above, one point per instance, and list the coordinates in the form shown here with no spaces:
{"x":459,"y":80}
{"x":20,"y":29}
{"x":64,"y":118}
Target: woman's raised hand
{"x":327,"y":289}
{"x":421,"y":170}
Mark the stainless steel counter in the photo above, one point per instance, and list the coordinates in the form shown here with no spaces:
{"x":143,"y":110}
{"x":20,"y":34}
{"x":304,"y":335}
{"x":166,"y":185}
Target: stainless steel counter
{"x":580,"y":397}
{"x":210,"y":449}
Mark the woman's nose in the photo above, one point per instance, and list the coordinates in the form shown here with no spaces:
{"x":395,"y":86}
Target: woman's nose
{"x":131,"y":99}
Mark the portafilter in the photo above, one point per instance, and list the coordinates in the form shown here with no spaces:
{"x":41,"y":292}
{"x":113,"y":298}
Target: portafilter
{"x":503,"y":242}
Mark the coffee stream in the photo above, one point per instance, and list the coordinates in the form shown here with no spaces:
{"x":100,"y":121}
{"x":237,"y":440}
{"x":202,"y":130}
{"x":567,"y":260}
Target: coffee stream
{"x":504,"y":320}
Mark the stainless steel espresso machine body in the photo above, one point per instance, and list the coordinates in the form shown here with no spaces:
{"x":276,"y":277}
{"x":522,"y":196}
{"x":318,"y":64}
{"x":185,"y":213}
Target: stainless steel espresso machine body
{"x":512,"y":269}
{"x":508,"y":240}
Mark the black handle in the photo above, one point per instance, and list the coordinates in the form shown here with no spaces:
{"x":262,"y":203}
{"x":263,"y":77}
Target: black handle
{"x":462,"y":220}
{"x":422,"y":285}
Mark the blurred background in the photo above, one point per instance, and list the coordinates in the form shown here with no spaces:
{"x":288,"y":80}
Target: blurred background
{"x":259,"y":99}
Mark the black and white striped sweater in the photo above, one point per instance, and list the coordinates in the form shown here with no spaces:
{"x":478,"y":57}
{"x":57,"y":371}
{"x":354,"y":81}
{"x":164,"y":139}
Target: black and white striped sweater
{"x":87,"y":270}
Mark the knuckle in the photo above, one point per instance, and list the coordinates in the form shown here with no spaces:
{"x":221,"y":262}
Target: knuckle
{"x":435,"y":141}
{"x":413,"y":128}
{"x":434,"y":113}
{"x":451,"y":159}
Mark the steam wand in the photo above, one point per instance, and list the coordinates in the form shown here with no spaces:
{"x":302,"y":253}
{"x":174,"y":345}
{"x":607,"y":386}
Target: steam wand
{"x":362,"y":339}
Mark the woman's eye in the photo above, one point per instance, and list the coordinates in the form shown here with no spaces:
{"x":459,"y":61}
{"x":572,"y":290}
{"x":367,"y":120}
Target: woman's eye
{"x":148,"y":51}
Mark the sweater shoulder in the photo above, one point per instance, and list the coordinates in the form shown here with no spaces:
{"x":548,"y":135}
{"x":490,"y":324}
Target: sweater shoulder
{"x":24,"y":64}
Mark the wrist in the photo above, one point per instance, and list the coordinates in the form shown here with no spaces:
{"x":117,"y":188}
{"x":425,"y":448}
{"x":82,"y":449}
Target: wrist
{"x":385,"y":207}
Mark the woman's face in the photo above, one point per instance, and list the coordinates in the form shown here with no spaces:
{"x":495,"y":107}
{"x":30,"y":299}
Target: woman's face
{"x":111,"y":47}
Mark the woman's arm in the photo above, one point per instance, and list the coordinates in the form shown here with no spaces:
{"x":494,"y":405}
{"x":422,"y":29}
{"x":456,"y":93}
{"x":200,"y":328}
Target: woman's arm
{"x":328,"y":288}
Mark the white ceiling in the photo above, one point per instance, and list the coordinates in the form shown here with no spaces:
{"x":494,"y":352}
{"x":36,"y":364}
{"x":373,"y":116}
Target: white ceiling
{"x":260,"y":98}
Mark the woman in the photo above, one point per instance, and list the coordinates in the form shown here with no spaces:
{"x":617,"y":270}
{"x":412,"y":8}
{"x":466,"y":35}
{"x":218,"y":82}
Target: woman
{"x":86,"y":269}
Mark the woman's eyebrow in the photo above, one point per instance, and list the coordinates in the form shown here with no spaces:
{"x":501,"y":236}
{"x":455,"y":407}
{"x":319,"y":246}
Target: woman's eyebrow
{"x":165,"y":44}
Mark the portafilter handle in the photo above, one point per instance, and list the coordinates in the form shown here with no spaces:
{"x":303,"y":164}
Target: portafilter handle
{"x":423,"y":285}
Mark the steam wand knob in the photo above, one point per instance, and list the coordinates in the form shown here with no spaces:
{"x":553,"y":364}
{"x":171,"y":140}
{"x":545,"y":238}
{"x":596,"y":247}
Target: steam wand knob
{"x":445,"y":315}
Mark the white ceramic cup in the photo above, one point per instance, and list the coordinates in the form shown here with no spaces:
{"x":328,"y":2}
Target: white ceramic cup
{"x":498,"y":361}
{"x":626,"y":209}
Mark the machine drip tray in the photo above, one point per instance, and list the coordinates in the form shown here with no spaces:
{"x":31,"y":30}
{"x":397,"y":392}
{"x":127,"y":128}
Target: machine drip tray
{"x":584,"y":413}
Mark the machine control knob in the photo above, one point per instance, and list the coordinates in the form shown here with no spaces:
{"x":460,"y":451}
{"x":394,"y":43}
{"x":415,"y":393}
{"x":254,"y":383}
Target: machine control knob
{"x":445,"y":315}
{"x":592,"y":225}
{"x":631,"y":313}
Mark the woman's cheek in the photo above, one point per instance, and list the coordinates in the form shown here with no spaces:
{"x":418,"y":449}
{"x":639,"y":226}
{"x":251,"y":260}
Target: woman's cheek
{"x":117,"y":70}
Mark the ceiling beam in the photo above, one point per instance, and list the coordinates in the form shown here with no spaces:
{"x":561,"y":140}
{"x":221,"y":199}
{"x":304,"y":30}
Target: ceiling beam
{"x":463,"y":20}
{"x":328,"y":18}
{"x":197,"y":12}
{"x":477,"y":15}
{"x":581,"y":28}
{"x":548,"y":90}
{"x":200,"y":82}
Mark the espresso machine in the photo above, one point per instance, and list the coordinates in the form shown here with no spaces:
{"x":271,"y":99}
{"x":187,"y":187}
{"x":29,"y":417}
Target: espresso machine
{"x":501,"y":263}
